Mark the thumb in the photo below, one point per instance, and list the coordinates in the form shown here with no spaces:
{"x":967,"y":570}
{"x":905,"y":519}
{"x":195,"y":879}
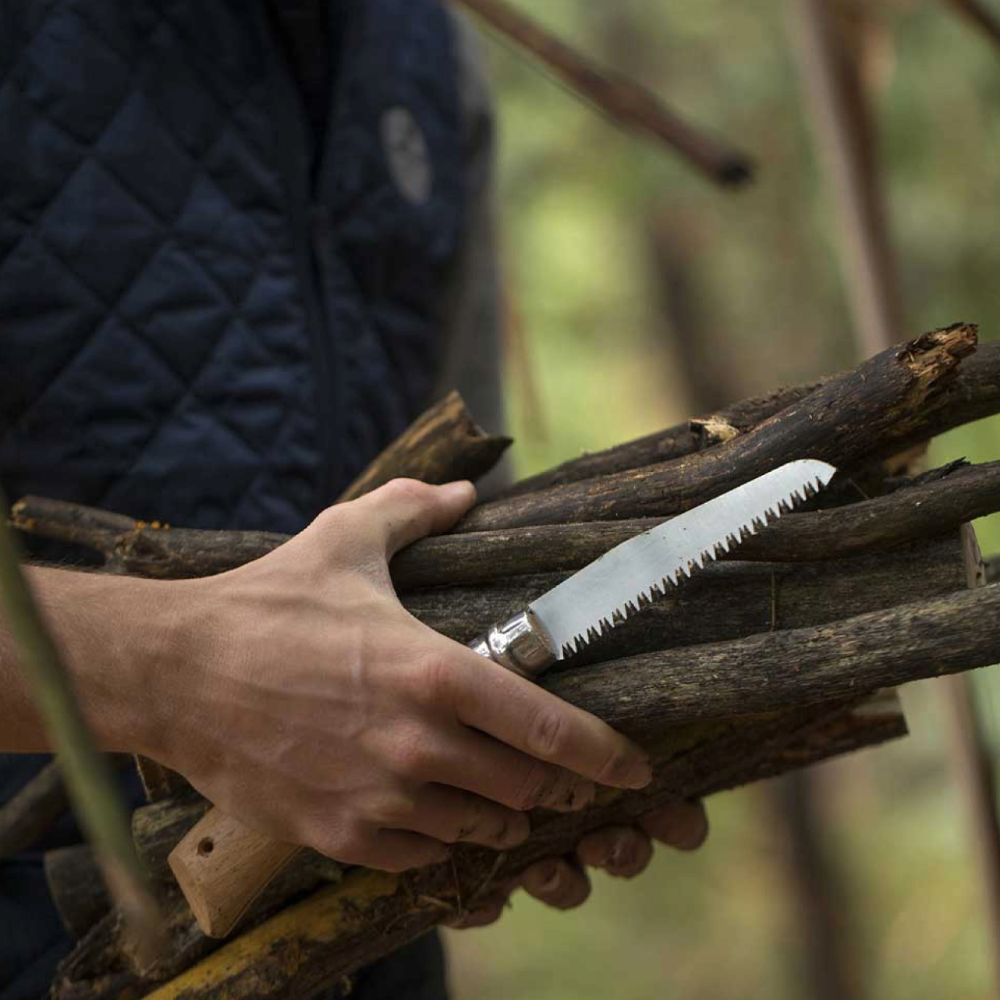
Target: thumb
{"x":405,"y":510}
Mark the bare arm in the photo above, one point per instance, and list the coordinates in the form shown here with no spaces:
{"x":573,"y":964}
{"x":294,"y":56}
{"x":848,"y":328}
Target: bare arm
{"x":298,"y":694}
{"x":114,"y":632}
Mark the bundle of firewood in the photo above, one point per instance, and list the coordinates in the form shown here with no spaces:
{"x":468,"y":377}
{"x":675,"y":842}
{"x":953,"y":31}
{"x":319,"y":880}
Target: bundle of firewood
{"x":781,"y":656}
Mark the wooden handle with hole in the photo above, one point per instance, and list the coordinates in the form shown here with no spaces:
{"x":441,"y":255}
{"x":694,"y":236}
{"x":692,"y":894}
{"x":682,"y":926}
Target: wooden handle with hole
{"x":222,"y":867}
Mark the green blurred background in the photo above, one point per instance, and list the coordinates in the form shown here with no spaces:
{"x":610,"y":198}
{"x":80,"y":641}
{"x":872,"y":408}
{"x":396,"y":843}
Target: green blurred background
{"x":638,"y":292}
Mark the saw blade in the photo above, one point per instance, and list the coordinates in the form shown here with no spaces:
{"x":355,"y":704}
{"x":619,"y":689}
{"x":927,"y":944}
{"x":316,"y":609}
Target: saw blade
{"x":634,"y":573}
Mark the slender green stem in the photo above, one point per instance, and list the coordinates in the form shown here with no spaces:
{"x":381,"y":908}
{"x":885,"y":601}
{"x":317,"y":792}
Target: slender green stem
{"x":89,"y":778}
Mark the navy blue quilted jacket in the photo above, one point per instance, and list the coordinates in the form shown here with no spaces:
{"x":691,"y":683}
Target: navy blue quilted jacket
{"x":221,"y":272}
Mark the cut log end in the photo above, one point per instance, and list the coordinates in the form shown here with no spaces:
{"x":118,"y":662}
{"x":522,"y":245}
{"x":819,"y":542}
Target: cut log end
{"x":933,"y":355}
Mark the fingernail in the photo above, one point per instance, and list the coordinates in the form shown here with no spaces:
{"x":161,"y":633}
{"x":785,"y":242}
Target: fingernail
{"x":619,"y":855}
{"x":553,"y":876}
{"x":461,"y":490}
{"x":639,"y":774}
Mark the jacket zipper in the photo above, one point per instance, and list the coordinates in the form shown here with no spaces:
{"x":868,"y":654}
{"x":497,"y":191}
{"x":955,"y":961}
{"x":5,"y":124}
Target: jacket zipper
{"x":306,"y":220}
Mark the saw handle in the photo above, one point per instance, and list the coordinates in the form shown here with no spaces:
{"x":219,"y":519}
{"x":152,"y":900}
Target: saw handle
{"x":222,"y":866}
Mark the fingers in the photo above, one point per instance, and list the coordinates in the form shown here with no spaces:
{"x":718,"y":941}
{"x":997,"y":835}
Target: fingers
{"x":682,"y":825}
{"x":557,"y":883}
{"x":449,"y":815}
{"x":479,"y":764}
{"x":522,"y":715}
{"x":406,"y":510}
{"x":622,"y":851}
{"x":395,"y":851}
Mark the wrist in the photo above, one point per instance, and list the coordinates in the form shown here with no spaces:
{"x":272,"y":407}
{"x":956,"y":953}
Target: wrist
{"x":122,"y":641}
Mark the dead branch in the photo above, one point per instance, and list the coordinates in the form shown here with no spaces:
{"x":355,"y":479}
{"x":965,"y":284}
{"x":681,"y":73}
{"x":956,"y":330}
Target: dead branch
{"x":311,"y":945}
{"x":624,"y":101}
{"x":885,"y":395}
{"x":442,"y":445}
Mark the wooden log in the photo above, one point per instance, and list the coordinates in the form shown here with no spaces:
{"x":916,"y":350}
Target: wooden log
{"x":158,"y":781}
{"x":957,"y":494}
{"x":77,"y":888}
{"x":156,"y":829}
{"x":370,"y":913}
{"x":650,"y":692}
{"x":442,"y":445}
{"x":164,"y":823}
{"x":941,"y":501}
{"x":105,"y":954}
{"x":177,"y":553}
{"x":663,"y":446}
{"x":974,"y":394}
{"x":725,"y":601}
{"x":30,"y":812}
{"x":885,"y":395}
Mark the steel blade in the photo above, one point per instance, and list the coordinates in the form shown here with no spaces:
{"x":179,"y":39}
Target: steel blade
{"x":632,"y":574}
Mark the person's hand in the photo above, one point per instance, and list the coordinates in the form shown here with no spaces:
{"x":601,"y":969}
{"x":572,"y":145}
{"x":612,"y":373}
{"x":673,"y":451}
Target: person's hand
{"x":307,"y":703}
{"x":622,"y":851}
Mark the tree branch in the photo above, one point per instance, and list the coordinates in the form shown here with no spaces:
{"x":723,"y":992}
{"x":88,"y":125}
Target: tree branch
{"x":624,"y":101}
{"x":886,"y":395}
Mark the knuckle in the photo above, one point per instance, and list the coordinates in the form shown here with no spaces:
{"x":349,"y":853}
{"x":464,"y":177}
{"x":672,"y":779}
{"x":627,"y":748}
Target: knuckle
{"x":413,"y":757}
{"x":395,"y":808}
{"x":432,"y":674}
{"x":330,"y":519}
{"x":434,"y":680}
{"x":548,"y":736}
{"x":407,"y":490}
{"x":350,"y":845}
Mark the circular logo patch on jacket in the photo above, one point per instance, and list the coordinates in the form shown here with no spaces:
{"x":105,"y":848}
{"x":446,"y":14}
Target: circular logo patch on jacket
{"x":408,"y":155}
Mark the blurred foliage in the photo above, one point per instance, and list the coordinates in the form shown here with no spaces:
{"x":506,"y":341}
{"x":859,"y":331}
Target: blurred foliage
{"x":579,"y":201}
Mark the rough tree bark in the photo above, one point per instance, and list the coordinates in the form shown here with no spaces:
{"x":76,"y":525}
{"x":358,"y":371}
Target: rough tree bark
{"x":442,"y":445}
{"x":310,"y":945}
{"x":748,"y":701}
{"x":975,"y":393}
{"x":937,"y":502}
{"x":883,"y":395}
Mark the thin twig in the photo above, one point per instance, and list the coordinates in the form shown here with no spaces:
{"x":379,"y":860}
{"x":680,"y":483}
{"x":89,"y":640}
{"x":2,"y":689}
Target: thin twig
{"x":981,"y":16}
{"x":622,"y":99}
{"x":87,"y":773}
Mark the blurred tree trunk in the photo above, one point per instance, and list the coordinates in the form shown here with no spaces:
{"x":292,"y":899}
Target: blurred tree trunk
{"x":825,"y":954}
{"x":833,"y":37}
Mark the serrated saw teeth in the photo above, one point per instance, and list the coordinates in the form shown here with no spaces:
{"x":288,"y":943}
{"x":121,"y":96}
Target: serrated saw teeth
{"x":635,"y":573}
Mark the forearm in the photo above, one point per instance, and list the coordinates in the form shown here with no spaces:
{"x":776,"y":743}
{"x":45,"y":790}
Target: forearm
{"x":113,"y":633}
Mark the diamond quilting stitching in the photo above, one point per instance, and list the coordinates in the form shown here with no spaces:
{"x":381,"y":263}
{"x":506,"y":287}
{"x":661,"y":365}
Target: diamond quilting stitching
{"x":28,"y":43}
{"x":90,"y":152}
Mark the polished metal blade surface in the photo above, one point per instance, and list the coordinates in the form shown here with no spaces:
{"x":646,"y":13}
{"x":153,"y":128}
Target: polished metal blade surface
{"x":632,"y":574}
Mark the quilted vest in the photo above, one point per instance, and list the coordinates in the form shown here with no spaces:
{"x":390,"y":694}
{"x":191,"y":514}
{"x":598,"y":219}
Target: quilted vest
{"x":201,"y":321}
{"x":210,"y":314}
